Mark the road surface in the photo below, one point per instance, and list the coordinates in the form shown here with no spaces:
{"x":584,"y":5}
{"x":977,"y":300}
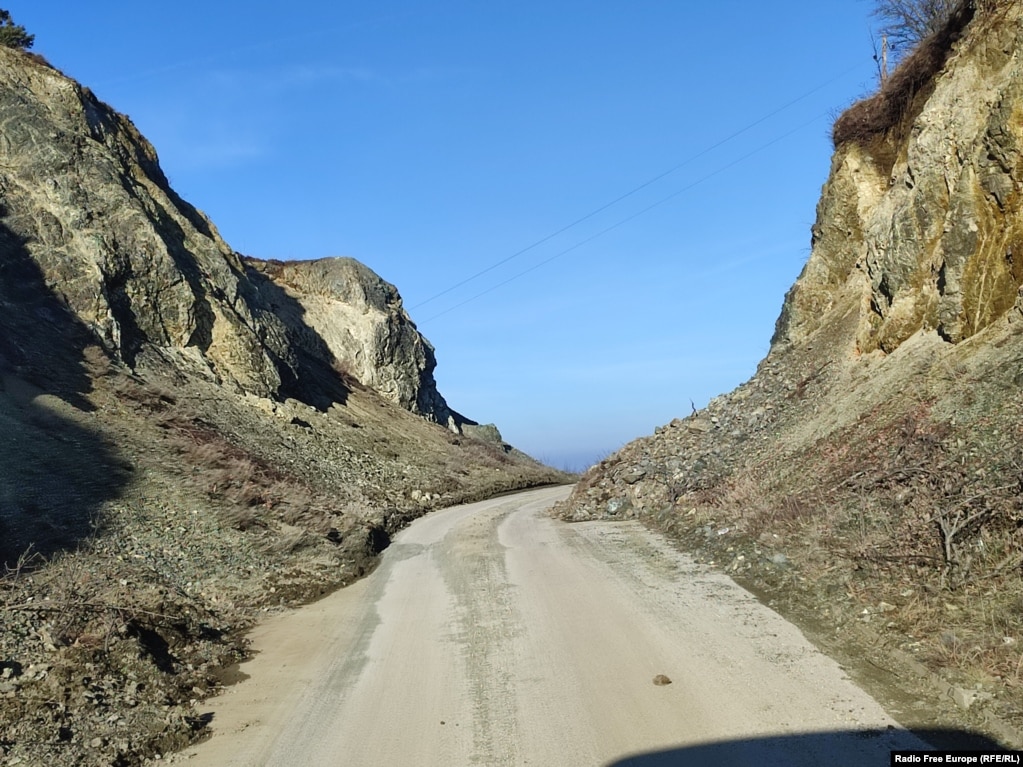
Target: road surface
{"x":493,"y":635}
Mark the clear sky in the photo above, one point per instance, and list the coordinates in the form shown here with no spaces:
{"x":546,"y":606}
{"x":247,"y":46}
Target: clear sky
{"x":435,"y":140}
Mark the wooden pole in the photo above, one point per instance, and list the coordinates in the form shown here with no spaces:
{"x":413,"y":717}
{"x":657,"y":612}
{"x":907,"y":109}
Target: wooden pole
{"x":884,"y":59}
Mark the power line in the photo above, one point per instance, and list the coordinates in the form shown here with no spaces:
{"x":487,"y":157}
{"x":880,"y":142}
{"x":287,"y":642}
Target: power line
{"x":627,"y":219}
{"x":634,"y":190}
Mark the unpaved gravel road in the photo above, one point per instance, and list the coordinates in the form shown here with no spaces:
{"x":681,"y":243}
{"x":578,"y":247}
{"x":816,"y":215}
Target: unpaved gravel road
{"x":493,"y":635}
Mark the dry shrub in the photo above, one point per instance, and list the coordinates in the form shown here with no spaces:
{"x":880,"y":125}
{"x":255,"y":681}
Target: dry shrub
{"x":249,"y":493}
{"x":240,"y":470}
{"x":348,"y":378}
{"x":38,"y":58}
{"x":488,"y":454}
{"x":205,"y":455}
{"x":271,"y":267}
{"x":253,"y":490}
{"x":227,"y":473}
{"x":96,"y":361}
{"x":295,"y":505}
{"x":240,"y":518}
{"x":316,"y":520}
{"x":972,"y":636}
{"x":291,"y":493}
{"x":759,"y":507}
{"x":151,"y":396}
{"x":900,"y":98}
{"x":911,"y":498}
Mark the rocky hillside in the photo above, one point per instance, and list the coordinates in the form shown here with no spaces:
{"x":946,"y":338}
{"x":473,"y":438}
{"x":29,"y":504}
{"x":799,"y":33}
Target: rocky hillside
{"x":190,"y":437}
{"x":359,"y":320}
{"x":868,"y":477}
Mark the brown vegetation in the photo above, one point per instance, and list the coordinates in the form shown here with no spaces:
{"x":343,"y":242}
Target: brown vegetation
{"x":888,"y":113}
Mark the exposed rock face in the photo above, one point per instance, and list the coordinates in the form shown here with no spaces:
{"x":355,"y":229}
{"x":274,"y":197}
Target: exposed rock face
{"x":924,"y":230}
{"x":83,"y":192}
{"x":360,"y":319}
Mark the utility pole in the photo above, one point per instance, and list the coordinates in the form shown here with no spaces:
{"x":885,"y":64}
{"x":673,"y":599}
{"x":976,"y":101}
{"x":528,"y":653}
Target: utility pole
{"x":884,"y":59}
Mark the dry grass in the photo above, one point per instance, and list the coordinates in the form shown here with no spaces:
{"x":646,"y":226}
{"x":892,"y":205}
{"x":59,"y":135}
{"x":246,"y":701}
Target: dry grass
{"x":96,"y":361}
{"x":252,"y":495}
{"x":154,"y":398}
{"x":926,"y":531}
{"x":758,"y":512}
{"x":899,"y":513}
{"x":889,"y":112}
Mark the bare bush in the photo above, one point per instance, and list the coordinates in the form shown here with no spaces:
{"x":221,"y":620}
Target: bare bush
{"x":902,"y":94}
{"x":908,"y":22}
{"x":240,"y":518}
{"x":96,"y":361}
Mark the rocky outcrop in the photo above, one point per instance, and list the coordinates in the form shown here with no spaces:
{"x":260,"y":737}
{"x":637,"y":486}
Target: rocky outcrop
{"x":920,"y":222}
{"x":84,"y":194}
{"x":360,"y":321}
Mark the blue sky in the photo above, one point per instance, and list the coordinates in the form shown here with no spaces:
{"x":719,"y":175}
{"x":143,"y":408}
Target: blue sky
{"x":432,"y":141}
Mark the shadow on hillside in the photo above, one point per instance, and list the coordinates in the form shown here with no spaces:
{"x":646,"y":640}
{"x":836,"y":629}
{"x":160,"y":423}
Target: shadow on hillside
{"x":302,"y":358}
{"x":309,"y":373}
{"x":843,"y":748}
{"x":55,"y":475}
{"x":132,"y":337}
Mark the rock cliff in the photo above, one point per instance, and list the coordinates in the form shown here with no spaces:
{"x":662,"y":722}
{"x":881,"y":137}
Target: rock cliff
{"x":190,"y":438}
{"x":360,"y":320}
{"x":142,"y":269}
{"x":872,"y":465}
{"x":84,"y":195}
{"x":920,"y":221}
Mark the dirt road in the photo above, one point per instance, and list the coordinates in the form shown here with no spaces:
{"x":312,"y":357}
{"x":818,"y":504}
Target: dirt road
{"x":493,"y":635}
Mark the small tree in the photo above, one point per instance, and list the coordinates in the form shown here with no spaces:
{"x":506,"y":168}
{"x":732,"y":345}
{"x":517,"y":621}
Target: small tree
{"x":14,"y":35}
{"x":904,"y":23}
